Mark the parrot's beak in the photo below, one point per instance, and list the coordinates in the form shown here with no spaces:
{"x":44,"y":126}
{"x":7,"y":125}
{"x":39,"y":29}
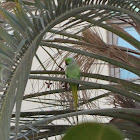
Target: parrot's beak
{"x":66,"y":63}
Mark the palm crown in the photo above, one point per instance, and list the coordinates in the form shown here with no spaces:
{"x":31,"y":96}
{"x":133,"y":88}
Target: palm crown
{"x":61,"y":25}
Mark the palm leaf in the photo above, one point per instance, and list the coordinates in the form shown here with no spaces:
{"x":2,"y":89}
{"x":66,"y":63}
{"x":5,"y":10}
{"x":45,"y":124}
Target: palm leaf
{"x":31,"y":25}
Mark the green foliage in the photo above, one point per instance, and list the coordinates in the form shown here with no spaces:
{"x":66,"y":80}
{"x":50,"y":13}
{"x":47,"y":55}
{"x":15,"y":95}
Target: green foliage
{"x":32,"y":24}
{"x":93,"y":131}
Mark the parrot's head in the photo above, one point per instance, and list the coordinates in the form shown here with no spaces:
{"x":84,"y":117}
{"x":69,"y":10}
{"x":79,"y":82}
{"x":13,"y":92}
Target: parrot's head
{"x":69,"y":60}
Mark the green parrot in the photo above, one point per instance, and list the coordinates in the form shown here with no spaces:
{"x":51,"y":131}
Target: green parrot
{"x":73,"y":71}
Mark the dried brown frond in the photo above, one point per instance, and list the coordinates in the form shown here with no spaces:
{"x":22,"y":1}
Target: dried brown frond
{"x":121,"y":101}
{"x":7,"y":6}
{"x":114,"y":52}
{"x":91,"y":36}
{"x":96,"y":45}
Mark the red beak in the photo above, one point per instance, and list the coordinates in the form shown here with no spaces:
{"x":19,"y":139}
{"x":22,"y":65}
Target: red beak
{"x":66,"y":63}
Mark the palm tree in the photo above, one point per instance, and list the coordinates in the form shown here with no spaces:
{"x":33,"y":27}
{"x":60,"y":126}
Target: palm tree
{"x":63,"y":27}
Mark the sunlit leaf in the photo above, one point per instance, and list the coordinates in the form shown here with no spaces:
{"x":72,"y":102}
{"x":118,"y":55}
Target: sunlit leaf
{"x":93,"y":131}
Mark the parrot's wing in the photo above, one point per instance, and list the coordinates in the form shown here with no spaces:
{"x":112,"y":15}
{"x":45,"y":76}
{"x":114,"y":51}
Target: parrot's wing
{"x":79,"y":74}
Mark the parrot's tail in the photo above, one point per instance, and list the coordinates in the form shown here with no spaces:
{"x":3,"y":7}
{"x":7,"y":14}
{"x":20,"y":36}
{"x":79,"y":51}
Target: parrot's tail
{"x":74,"y":93}
{"x":75,"y":97}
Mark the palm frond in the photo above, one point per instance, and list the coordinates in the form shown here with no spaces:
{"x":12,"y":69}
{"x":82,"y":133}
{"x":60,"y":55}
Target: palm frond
{"x":30,"y":22}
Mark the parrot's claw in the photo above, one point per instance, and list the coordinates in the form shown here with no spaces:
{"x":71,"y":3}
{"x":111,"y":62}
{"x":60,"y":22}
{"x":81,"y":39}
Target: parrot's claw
{"x":66,"y":86}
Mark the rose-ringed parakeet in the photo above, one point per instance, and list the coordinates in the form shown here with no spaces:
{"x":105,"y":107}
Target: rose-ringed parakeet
{"x":73,"y":71}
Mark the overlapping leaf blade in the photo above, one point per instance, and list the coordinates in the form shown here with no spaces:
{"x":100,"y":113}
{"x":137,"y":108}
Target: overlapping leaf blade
{"x":49,"y":14}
